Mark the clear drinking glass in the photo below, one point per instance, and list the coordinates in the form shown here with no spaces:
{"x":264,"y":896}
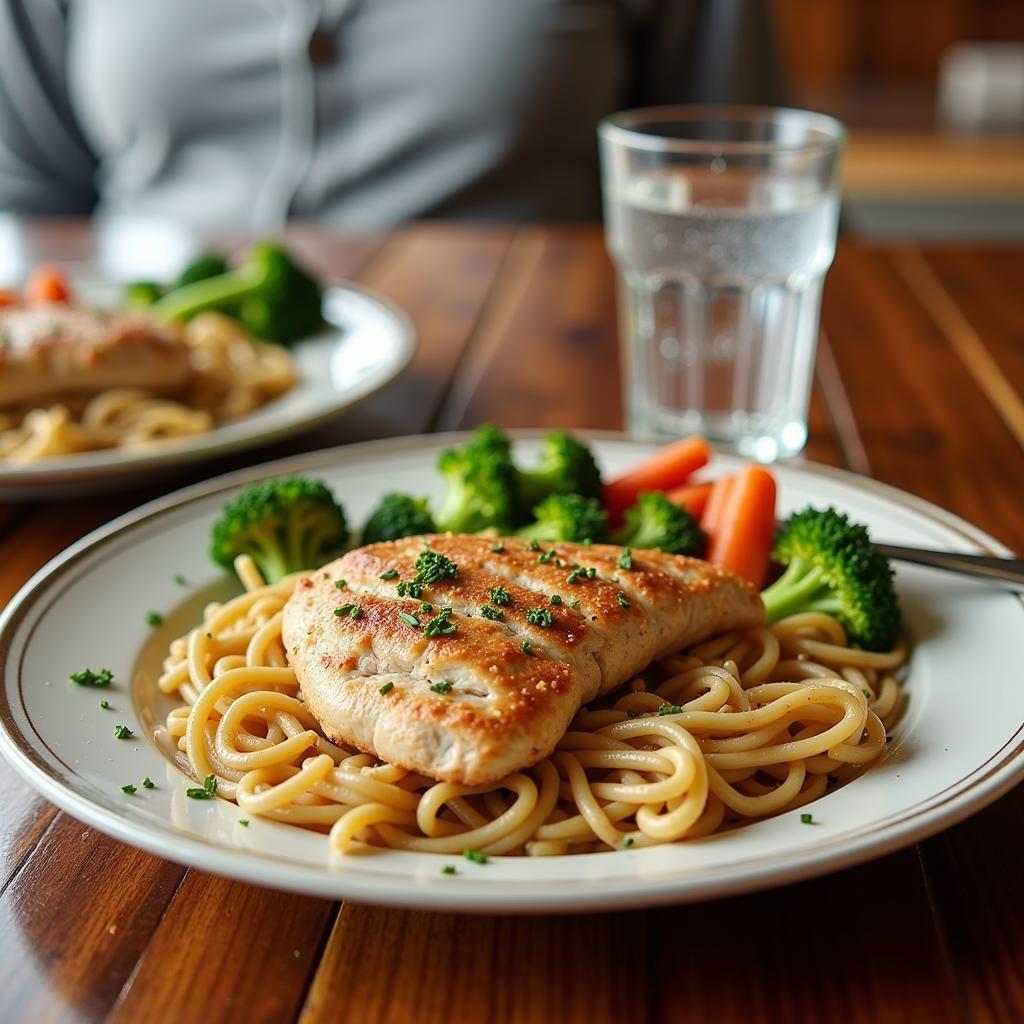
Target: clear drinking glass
{"x":722,"y":223}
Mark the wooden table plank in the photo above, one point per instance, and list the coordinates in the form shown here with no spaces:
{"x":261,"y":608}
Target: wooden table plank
{"x":73,"y":922}
{"x":268,"y":945}
{"x":398,"y":966}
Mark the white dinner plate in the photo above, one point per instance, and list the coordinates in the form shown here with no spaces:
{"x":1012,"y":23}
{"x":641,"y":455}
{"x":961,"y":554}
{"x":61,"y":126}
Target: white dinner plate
{"x":958,"y":747}
{"x":368,"y":341}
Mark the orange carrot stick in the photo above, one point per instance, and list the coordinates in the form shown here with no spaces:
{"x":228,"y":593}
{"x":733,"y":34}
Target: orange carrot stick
{"x":693,"y":497}
{"x":743,"y":542}
{"x":665,"y":470}
{"x":711,"y":518}
{"x":8,"y":297}
{"x":47,"y":283}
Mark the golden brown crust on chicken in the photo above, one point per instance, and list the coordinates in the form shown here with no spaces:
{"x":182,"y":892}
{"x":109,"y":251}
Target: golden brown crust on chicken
{"x":506,"y":708}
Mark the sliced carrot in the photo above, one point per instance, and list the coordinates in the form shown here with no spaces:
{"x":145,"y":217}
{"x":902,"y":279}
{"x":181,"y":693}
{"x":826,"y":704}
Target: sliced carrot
{"x":711,"y":518}
{"x":47,"y":283}
{"x":693,"y":497}
{"x":665,"y":470}
{"x":743,"y":541}
{"x":8,"y":297}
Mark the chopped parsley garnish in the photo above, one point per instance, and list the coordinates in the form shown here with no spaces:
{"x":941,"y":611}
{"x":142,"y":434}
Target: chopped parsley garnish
{"x":832,"y":780}
{"x":244,"y":822}
{"x":129,"y":789}
{"x":122,"y":732}
{"x":495,"y":614}
{"x":670,"y":709}
{"x":632,"y":714}
{"x":556,"y":599}
{"x":806,"y":819}
{"x":353,"y":611}
{"x":539,"y":617}
{"x":87,"y":677}
{"x":154,"y":618}
{"x":426,"y":607}
{"x":340,"y":584}
{"x":527,"y":647}
{"x":180,"y":580}
{"x":148,"y":783}
{"x":547,"y":556}
{"x":440,"y":625}
{"x":391,"y":574}
{"x":499,"y":548}
{"x":621,"y":600}
{"x":535,"y":545}
{"x":386,"y":689}
{"x":431,"y":567}
{"x":105,"y":704}
{"x":581,"y":573}
{"x":628,"y":842}
{"x":448,"y":869}
{"x":626,"y":559}
{"x":208,"y":792}
{"x":574,"y":605}
{"x":499,"y":595}
{"x":867,"y":693}
{"x":409,"y":619}
{"x":443,"y":686}
{"x":209,"y":636}
{"x":476,"y":856}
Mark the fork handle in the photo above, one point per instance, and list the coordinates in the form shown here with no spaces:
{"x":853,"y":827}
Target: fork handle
{"x":1005,"y":572}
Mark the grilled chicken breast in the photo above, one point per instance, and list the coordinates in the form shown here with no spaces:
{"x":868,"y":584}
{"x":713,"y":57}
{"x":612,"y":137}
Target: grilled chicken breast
{"x":56,"y":349}
{"x":472,"y":705}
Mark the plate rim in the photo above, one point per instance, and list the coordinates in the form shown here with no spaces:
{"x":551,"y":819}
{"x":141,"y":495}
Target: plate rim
{"x":16,"y":482}
{"x":984,"y":783}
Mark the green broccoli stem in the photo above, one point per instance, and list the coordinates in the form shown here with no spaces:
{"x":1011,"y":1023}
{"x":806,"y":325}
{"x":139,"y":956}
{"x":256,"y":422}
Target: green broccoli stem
{"x":801,"y":588}
{"x":270,"y":557}
{"x":225,"y":289}
{"x":539,"y":530}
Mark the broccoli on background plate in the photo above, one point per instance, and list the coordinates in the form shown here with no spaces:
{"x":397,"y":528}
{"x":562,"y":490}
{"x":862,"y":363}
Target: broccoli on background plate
{"x":397,"y":516}
{"x":568,"y":517}
{"x":655,"y":522}
{"x":286,"y":525}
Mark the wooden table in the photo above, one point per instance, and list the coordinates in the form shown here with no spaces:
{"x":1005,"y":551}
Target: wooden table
{"x":918,"y":384}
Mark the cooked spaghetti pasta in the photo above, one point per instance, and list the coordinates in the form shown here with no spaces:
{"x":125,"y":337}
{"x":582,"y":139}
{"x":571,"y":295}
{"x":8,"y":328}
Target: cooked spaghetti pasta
{"x":743,"y":726}
{"x":232,"y":374}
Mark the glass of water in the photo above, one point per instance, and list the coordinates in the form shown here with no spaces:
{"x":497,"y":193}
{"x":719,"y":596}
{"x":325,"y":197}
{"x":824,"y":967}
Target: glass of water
{"x":722,"y":223}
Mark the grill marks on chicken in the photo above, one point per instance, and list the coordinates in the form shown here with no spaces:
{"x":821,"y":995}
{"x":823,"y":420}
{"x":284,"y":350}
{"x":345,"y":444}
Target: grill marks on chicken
{"x":505,"y":687}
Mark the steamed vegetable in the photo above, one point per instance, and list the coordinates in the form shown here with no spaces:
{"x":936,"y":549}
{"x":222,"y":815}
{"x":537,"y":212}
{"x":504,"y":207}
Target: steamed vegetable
{"x":397,"y":516}
{"x":654,"y":522}
{"x":693,"y":497}
{"x":286,"y":525}
{"x":482,"y":484}
{"x":568,"y":517}
{"x":567,"y":466}
{"x":269,"y":294}
{"x":666,"y":469}
{"x":46,"y":283}
{"x":742,"y":539}
{"x":832,"y":566}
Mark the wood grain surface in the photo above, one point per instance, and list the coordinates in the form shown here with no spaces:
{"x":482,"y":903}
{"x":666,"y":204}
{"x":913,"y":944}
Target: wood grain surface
{"x":518,"y":326}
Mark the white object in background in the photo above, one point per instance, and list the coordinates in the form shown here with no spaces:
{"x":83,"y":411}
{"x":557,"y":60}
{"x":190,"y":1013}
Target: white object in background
{"x":981,"y":86}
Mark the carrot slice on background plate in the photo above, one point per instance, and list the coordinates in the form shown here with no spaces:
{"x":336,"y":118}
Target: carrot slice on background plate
{"x":665,"y":470}
{"x":693,"y":497}
{"x":8,"y":297}
{"x":47,"y":283}
{"x":742,"y":542}
{"x":711,"y":517}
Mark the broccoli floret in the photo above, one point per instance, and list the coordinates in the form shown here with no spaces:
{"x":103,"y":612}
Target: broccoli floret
{"x":270,"y":295}
{"x":832,"y":566}
{"x":568,"y":517}
{"x":567,"y":466}
{"x":286,"y":524}
{"x":205,"y":265}
{"x":481,"y":483}
{"x":141,"y":294}
{"x":655,"y":522}
{"x":398,"y":515}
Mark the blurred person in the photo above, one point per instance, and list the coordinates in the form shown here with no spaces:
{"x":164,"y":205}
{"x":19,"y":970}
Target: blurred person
{"x":362,"y":113}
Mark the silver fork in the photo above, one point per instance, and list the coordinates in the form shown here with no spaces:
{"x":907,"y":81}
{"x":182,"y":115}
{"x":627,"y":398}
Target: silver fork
{"x":1004,"y":572}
